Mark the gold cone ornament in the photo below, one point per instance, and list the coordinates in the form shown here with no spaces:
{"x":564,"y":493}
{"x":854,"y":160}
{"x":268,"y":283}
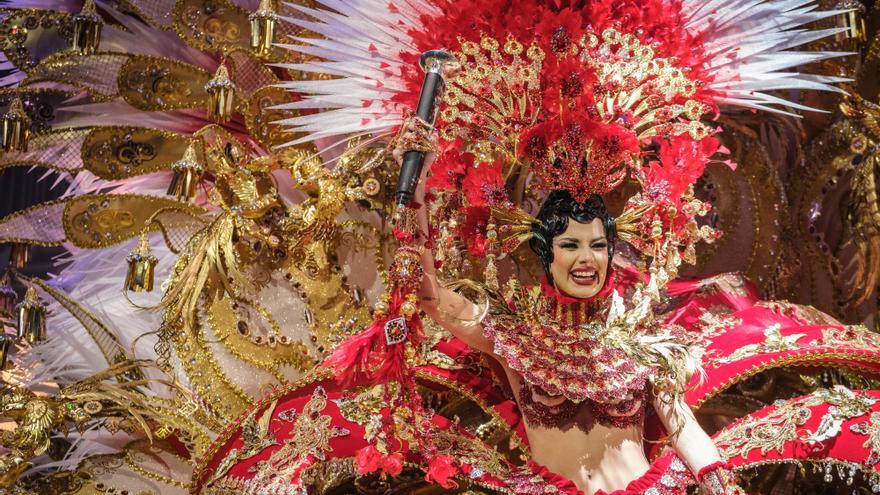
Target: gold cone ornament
{"x":263,"y":23}
{"x":87,"y":29}
{"x":16,"y":127}
{"x":19,"y":255}
{"x":141,"y":267}
{"x":187,"y":174}
{"x":31,"y":318}
{"x":221,"y":95}
{"x":6,"y":342}
{"x":7,"y":296}
{"x":854,"y":22}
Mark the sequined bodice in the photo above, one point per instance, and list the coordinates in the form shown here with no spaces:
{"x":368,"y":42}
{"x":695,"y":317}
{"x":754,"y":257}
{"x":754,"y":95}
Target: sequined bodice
{"x":556,"y":346}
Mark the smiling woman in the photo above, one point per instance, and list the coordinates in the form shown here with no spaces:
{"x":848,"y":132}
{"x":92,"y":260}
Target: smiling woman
{"x":575,"y":254}
{"x":596,"y":407}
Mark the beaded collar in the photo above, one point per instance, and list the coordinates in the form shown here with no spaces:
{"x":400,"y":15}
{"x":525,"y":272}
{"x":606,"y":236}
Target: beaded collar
{"x":556,"y":342}
{"x":573,"y":311}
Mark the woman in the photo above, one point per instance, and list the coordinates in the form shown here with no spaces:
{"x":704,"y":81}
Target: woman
{"x":592,"y":446}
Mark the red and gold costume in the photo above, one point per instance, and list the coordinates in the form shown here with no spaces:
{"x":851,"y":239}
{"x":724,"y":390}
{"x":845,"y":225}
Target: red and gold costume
{"x":236,"y":153}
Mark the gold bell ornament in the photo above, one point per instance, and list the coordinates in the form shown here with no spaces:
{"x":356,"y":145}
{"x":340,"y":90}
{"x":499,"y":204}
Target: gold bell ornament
{"x":141,"y":267}
{"x":31,"y":318}
{"x":7,"y":295}
{"x":221,"y":95}
{"x":6,"y":342}
{"x":187,"y":174}
{"x":263,"y":23}
{"x":87,"y":29}
{"x":16,"y":127}
{"x":19,"y":255}
{"x":853,"y":20}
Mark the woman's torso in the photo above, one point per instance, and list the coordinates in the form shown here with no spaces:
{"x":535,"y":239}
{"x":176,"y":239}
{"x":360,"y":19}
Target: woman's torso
{"x":594,"y":456}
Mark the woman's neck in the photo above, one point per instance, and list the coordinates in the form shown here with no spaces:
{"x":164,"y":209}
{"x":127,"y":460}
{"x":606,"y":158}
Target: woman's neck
{"x":565,"y":309}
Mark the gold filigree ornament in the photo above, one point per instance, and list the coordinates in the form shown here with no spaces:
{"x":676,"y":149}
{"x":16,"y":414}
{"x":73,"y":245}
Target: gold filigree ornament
{"x":502,"y":98}
{"x":844,"y":404}
{"x":766,"y":433}
{"x":871,"y":428}
{"x":101,"y":220}
{"x":118,"y":152}
{"x":853,"y":336}
{"x":105,"y":395}
{"x":251,"y":333}
{"x":160,"y":84}
{"x":212,"y":25}
{"x":255,"y":436}
{"x":262,"y":116}
{"x":22,"y":31}
{"x":41,"y":105}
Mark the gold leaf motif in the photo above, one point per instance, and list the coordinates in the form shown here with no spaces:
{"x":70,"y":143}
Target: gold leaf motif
{"x":160,"y":84}
{"x":212,"y":25}
{"x":27,"y":34}
{"x":100,"y":220}
{"x":261,"y":119}
{"x":119,"y":152}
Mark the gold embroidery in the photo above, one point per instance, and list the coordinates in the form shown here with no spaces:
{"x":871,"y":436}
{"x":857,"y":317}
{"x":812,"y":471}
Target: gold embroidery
{"x":311,"y":435}
{"x":732,"y":283}
{"x":855,"y":336}
{"x":774,"y":341}
{"x":255,"y":437}
{"x":871,"y":428}
{"x":771,"y":432}
{"x":202,"y":459}
{"x":783,"y":423}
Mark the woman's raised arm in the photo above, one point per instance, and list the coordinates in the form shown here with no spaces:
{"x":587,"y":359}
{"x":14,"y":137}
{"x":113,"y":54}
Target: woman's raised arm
{"x":449,"y":309}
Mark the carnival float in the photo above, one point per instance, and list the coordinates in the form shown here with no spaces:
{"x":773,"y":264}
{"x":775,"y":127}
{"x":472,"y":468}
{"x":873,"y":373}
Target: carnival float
{"x":238,"y":300}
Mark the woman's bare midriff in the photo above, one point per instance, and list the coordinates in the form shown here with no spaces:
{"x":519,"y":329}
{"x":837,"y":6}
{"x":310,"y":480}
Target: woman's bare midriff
{"x":603,"y":458}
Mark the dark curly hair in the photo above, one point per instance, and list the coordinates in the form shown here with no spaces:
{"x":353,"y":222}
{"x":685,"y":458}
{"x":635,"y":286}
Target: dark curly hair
{"x":557,"y":209}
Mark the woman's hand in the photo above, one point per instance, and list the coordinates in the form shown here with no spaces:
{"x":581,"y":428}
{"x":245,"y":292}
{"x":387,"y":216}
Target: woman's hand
{"x":687,"y":437}
{"x":415,"y":135}
{"x":448,"y":308}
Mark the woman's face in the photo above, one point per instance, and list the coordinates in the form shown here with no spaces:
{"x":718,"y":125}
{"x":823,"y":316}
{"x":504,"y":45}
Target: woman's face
{"x":580,"y":259}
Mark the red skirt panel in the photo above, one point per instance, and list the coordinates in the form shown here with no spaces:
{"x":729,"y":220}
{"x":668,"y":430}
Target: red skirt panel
{"x":667,"y":475}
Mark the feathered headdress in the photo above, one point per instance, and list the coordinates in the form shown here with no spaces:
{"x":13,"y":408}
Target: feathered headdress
{"x":574,"y":94}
